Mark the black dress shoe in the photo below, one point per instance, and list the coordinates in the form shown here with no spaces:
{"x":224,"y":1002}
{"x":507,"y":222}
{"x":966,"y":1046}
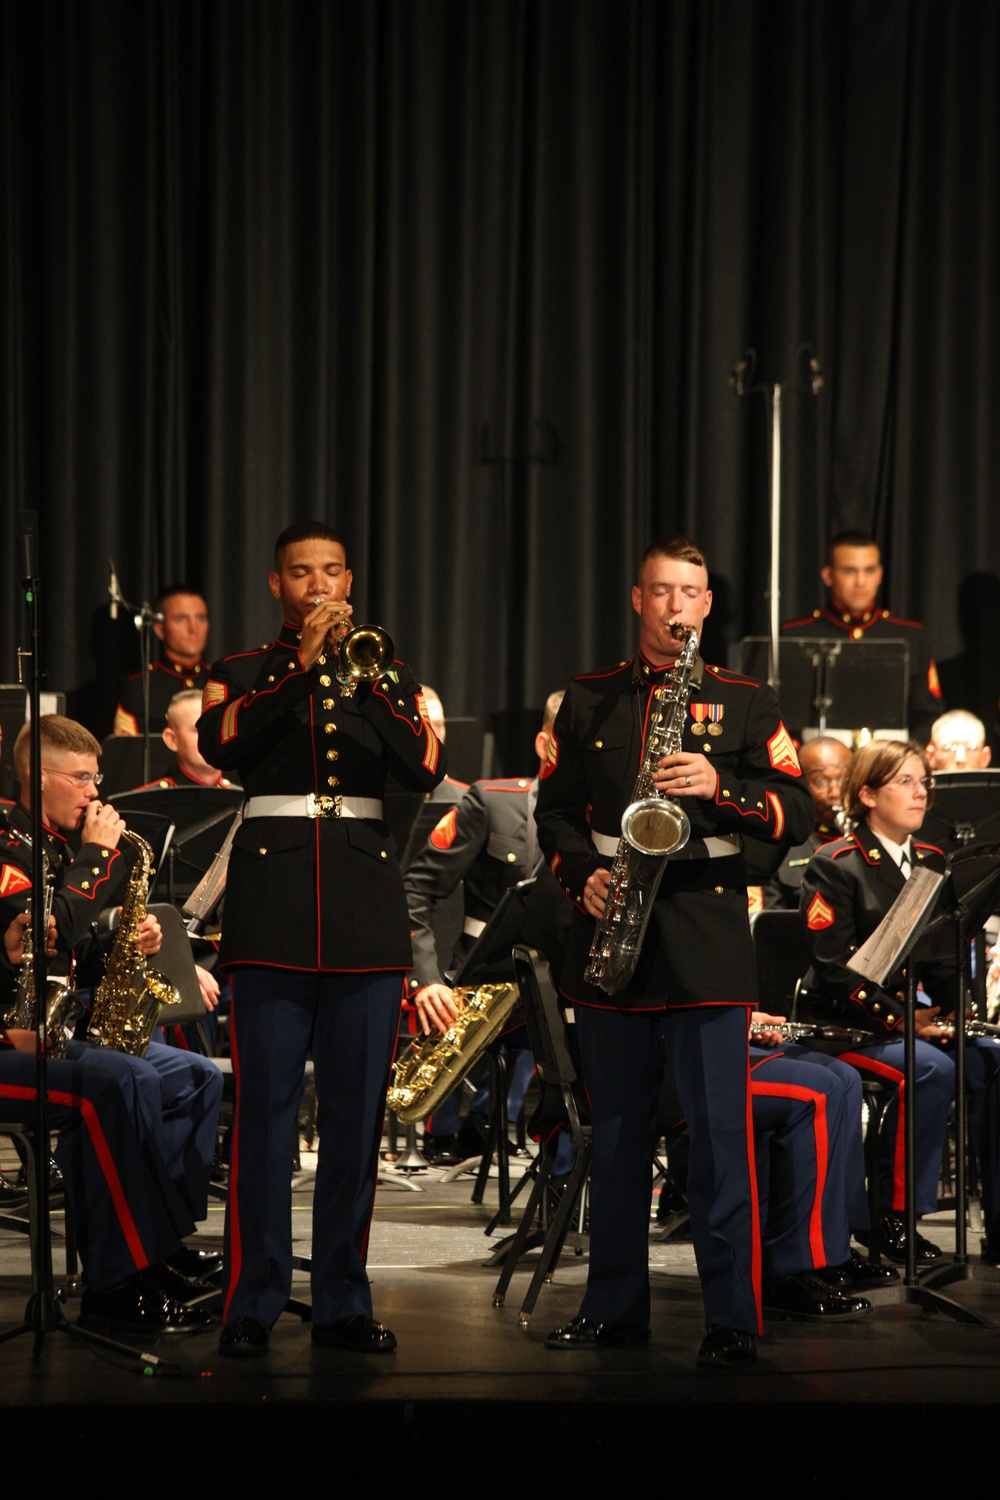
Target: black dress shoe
{"x":360,"y":1334}
{"x":244,"y":1338}
{"x":57,"y":1188}
{"x":806,"y":1296}
{"x":584,"y":1333}
{"x":441,"y":1150}
{"x":722,"y":1347}
{"x":12,"y":1197}
{"x":858,"y":1274}
{"x":892,"y":1241}
{"x":186,"y":1289}
{"x":989,"y":1246}
{"x":201,"y":1264}
{"x":137,"y":1306}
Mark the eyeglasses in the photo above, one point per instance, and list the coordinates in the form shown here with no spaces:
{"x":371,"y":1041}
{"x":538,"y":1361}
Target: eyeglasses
{"x":82,"y":778}
{"x":906,"y":783}
{"x":825,"y":783}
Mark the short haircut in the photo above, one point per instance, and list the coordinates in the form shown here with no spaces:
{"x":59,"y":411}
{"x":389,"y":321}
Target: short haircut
{"x":874,"y":765}
{"x":680,"y":548}
{"x":553,"y":703}
{"x":189,"y":695}
{"x":304,"y":531}
{"x":824,"y":742}
{"x":849,"y":539}
{"x":958,"y":718}
{"x":172,"y":590}
{"x":65,"y":736}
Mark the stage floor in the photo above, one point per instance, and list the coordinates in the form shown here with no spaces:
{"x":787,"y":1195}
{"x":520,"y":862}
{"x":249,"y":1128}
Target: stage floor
{"x":465,"y":1372}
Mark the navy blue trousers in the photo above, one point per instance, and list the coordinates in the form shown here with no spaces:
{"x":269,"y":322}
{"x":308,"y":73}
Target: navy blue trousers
{"x":348,"y":1024}
{"x":623,"y":1055}
{"x":128,"y":1214}
{"x":810,"y":1161}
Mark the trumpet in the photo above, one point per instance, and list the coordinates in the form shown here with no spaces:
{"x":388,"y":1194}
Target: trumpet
{"x":365,"y":651}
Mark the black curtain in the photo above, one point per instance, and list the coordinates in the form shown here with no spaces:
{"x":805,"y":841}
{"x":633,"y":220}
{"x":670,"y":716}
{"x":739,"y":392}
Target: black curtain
{"x":466,"y":278}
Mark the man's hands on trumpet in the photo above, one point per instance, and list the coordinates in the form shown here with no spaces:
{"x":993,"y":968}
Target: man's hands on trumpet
{"x":323,"y":627}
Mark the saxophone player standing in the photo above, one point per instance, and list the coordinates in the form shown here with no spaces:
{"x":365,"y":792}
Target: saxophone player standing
{"x":315,"y":938}
{"x":689,"y":1000}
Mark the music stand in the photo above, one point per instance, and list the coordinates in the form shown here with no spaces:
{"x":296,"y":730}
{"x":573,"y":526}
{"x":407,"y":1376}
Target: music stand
{"x":966,"y":811}
{"x":934,"y":929}
{"x":182,"y":825}
{"x":832,"y":681}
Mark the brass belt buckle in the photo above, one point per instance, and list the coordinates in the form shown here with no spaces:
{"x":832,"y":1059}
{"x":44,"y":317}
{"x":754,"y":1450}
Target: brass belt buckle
{"x":323,"y":806}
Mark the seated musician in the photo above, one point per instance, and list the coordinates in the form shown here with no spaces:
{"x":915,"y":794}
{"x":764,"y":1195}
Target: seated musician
{"x":181,"y":736}
{"x":129,"y":1217}
{"x":958,"y":743}
{"x":183,"y":636}
{"x":848,"y":887}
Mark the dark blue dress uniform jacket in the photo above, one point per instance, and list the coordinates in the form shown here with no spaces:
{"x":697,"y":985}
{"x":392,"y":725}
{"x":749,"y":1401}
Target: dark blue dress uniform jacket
{"x":697,"y":948}
{"x":847,"y":888}
{"x":315,"y":893}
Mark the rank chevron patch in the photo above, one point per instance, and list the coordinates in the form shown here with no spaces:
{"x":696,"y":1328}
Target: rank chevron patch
{"x":445,"y":830}
{"x":781,"y":752}
{"x":13,"y":880}
{"x":819,"y":914}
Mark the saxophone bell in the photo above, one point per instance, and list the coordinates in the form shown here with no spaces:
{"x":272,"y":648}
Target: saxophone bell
{"x":655,"y":825}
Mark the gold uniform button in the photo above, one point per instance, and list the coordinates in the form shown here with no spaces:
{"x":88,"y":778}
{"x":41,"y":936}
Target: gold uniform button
{"x":327,"y":702}
{"x":104,"y":853}
{"x":511,"y":857}
{"x":719,"y":890}
{"x":262,"y":849}
{"x":522,"y":783}
{"x":706,"y":747}
{"x":890,"y":1020}
{"x":333,"y":781}
{"x":900,"y":995}
{"x":399,"y":701}
{"x":85,"y":885}
{"x":325,"y":681}
{"x":857,"y":633}
{"x":95,"y":870}
{"x":322,"y":661}
{"x":598,"y":744}
{"x":328,"y":728}
{"x":332,"y":754}
{"x":270,"y":679}
{"x":382,"y":854}
{"x":291,"y":666}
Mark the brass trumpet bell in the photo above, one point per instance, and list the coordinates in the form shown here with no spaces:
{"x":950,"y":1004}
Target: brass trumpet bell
{"x":655,"y":825}
{"x":366,"y":652}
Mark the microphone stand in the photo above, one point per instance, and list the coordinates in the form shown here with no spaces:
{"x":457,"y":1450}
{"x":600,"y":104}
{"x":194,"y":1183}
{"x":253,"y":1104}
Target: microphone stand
{"x":144,"y":618}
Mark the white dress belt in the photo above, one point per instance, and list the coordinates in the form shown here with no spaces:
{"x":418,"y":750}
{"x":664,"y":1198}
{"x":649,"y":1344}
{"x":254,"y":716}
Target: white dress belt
{"x":715,"y":847}
{"x":313,"y":806}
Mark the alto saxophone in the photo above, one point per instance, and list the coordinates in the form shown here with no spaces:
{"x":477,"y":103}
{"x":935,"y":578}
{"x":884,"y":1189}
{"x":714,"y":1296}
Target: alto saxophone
{"x":128,"y":1000}
{"x":653,"y":827}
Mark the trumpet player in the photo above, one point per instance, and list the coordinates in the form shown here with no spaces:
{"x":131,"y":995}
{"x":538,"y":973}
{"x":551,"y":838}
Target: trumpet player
{"x":315,"y":936}
{"x":736,"y":775}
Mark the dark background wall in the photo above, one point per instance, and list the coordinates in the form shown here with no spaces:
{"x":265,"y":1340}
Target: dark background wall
{"x":466,"y":277}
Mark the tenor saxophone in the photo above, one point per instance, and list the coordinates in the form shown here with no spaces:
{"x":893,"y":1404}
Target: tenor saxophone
{"x":433,"y":1065}
{"x":129,"y":998}
{"x":653,"y":828}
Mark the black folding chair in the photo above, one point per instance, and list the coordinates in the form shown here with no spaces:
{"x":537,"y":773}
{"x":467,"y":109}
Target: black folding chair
{"x":562,"y":1103}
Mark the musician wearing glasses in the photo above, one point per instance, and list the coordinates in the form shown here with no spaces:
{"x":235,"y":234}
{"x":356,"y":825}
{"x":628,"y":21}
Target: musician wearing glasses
{"x":315,"y":935}
{"x":689,"y":998}
{"x":847,"y":889}
{"x":182,"y":1092}
{"x":824,"y":765}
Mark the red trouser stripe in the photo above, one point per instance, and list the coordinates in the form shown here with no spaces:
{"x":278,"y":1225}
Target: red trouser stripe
{"x":894,"y":1076}
{"x":756,"y":1258}
{"x":821,"y":1146}
{"x":104,"y":1158}
{"x":235,"y":1248}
